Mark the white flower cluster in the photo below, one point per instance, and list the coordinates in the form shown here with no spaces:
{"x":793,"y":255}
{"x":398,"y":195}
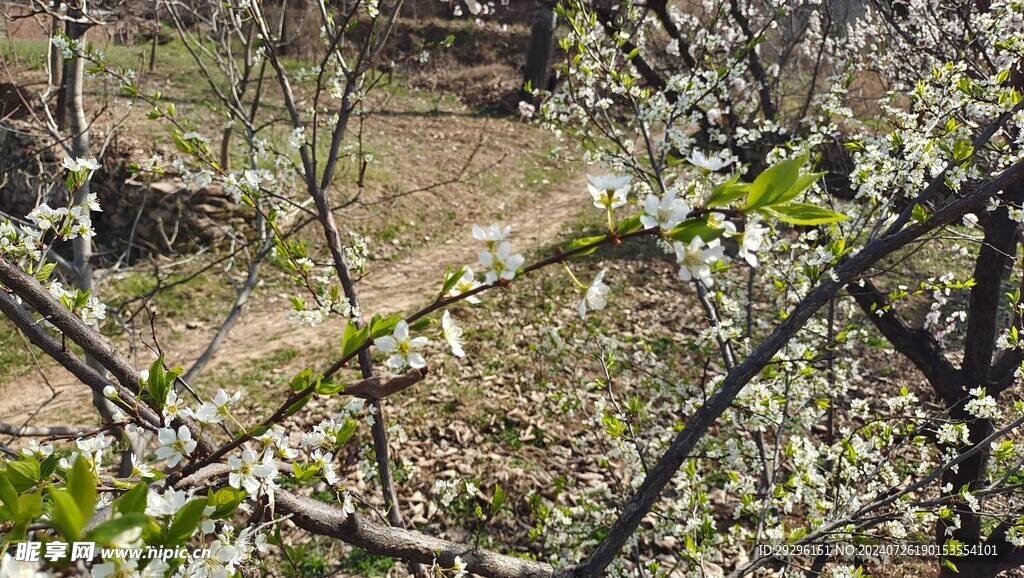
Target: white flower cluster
{"x":92,"y":310}
{"x":69,"y":49}
{"x":498,"y":261}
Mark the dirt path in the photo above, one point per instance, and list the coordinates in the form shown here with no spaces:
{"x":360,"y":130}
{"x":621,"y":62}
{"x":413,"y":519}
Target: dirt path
{"x":394,"y":286}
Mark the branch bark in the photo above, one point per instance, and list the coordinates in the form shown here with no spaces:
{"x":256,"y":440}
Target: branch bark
{"x":916,"y":344}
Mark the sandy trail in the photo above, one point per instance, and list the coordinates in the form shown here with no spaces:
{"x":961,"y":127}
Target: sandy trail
{"x":395,"y":286}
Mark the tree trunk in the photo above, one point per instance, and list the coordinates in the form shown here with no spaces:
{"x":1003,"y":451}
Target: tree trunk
{"x":538,"y":55}
{"x":57,"y":74}
{"x":78,"y":126}
{"x":994,"y":263}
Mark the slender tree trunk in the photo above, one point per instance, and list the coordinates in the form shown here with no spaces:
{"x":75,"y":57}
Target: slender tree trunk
{"x":538,"y":55}
{"x":56,"y":59}
{"x":78,"y":125}
{"x":156,"y":38}
{"x":58,"y":74}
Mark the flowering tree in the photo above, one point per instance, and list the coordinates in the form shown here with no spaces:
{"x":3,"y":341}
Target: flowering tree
{"x":710,"y":125}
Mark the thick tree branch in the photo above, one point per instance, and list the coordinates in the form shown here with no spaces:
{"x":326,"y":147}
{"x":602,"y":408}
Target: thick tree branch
{"x":375,"y":388}
{"x":72,"y":326}
{"x":916,"y":344}
{"x":326,"y":520}
{"x":65,"y":357}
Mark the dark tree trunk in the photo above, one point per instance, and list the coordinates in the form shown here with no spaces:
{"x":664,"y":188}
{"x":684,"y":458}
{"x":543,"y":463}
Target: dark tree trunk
{"x":538,"y":54}
{"x":995,"y":260}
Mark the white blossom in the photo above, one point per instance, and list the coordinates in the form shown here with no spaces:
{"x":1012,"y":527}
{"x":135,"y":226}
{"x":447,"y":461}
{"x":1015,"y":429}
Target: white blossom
{"x":402,"y":349}
{"x":452,"y":334}
{"x":594,"y":297}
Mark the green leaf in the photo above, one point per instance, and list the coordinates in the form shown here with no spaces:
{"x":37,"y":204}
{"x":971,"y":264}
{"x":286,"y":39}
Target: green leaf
{"x":497,"y":499}
{"x":962,"y":150}
{"x":801,"y":185}
{"x":183,"y":145}
{"x":106,"y":532}
{"x":919,"y":214}
{"x":328,"y":386}
{"x":82,"y":487}
{"x":133,"y":501}
{"x":627,"y":226}
{"x":48,"y":466}
{"x":23,"y":473}
{"x":774,"y":182}
{"x":381,"y":326}
{"x":305,"y":472}
{"x":451,"y":278}
{"x":804,"y":214}
{"x":45,"y":270}
{"x":690,"y":229}
{"x":352,"y":339}
{"x":302,"y":380}
{"x":420,"y":324}
{"x":727,"y":192}
{"x":65,"y":515}
{"x":30,"y":507}
{"x":296,"y":406}
{"x":345,"y":433}
{"x":157,"y":382}
{"x":583,"y":242}
{"x":225,"y":501}
{"x":8,"y":498}
{"x":185,"y":522}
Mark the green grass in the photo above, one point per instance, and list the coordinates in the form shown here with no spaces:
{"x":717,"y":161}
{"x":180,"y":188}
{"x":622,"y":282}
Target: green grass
{"x":362,"y":563}
{"x":206,"y":297}
{"x":15,"y":358}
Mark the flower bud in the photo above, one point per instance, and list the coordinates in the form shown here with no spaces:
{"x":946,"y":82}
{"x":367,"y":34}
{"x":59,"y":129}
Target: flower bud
{"x":110,"y":392}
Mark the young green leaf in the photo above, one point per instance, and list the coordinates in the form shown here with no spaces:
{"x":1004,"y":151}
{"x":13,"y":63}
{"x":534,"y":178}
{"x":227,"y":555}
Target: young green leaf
{"x":225,"y":501}
{"x":8,"y":499}
{"x":804,"y":214}
{"x":451,"y":278}
{"x":65,"y":515}
{"x":689,"y":229}
{"x":584,"y":241}
{"x":774,"y":182}
{"x":23,"y":473}
{"x":328,"y":386}
{"x":727,"y":192}
{"x":801,"y":185}
{"x":627,"y":226}
{"x":185,"y":522}
{"x":106,"y":532}
{"x":381,"y":326}
{"x":497,"y":500}
{"x":301,"y":380}
{"x":82,"y":487}
{"x":345,"y":433}
{"x":133,"y":501}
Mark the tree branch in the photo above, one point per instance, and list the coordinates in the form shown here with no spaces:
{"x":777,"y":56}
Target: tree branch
{"x":326,"y":520}
{"x":66,"y":358}
{"x":916,"y":344}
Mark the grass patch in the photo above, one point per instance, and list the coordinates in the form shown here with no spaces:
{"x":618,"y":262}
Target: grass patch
{"x":15,"y":358}
{"x":362,"y":563}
